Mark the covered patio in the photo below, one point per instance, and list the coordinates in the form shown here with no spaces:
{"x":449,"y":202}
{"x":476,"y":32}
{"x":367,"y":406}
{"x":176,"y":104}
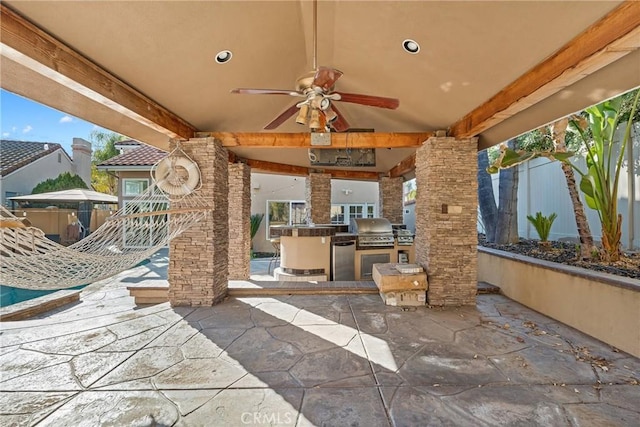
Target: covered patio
{"x":485,"y":72}
{"x":451,"y":78}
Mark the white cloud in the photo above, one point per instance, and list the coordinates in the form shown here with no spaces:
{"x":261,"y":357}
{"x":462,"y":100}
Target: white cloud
{"x":27,"y":129}
{"x":66,"y":119}
{"x":6,"y":134}
{"x":13,"y":129}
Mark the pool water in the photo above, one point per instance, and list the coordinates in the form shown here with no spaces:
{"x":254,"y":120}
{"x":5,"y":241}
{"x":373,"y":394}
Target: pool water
{"x":10,"y":295}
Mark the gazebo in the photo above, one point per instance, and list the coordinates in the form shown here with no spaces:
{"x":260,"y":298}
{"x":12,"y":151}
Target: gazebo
{"x":84,"y":198}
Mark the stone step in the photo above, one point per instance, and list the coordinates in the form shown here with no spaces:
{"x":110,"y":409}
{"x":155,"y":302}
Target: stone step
{"x":254,"y":288}
{"x":150,"y":294}
{"x":160,"y":294}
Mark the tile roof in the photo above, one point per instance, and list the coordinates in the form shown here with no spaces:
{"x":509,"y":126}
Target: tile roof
{"x":16,"y":154}
{"x":145,"y":155}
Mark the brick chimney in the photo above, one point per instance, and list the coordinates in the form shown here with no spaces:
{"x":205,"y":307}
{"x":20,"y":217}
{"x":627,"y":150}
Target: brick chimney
{"x":82,"y":159}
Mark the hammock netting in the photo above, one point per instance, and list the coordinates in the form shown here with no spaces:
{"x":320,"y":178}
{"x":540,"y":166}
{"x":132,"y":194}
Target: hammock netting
{"x":29,"y":260}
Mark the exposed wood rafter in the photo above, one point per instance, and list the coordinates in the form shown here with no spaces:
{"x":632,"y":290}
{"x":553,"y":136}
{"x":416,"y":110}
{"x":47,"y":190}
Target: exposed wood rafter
{"x":282,"y":169}
{"x":29,"y":46}
{"x":405,"y":166}
{"x":303,"y":140}
{"x":614,"y":36}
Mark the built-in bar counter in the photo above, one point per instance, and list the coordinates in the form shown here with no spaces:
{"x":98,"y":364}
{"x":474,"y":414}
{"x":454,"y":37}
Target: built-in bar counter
{"x":306,"y":250}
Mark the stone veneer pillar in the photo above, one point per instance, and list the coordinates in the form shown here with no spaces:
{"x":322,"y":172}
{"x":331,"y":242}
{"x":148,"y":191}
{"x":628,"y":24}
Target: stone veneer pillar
{"x":239,"y":221}
{"x":318,"y":197}
{"x":390,"y":199}
{"x":446,"y":214}
{"x":198,"y":259}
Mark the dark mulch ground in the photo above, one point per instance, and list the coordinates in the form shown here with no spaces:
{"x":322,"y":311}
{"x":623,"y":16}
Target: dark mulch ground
{"x":565,"y":253}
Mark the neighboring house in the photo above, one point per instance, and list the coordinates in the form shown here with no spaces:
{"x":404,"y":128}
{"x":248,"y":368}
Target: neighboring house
{"x":25,"y":164}
{"x":132,"y":167}
{"x":270,"y":194}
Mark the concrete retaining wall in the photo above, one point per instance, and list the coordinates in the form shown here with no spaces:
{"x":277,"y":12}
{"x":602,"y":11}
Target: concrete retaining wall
{"x":604,"y":306}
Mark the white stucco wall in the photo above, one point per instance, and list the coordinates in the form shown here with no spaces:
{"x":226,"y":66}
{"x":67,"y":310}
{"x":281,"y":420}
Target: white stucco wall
{"x":24,"y":179}
{"x":266,"y":187}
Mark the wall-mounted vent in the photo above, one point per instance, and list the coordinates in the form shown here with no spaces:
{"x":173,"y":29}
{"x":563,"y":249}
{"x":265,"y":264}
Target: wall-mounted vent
{"x":359,"y":157}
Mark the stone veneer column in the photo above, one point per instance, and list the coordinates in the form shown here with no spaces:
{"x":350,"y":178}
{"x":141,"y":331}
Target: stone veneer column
{"x":318,"y":197}
{"x":446,"y":214}
{"x":198,"y":259}
{"x":239,"y":221}
{"x":390,"y":199}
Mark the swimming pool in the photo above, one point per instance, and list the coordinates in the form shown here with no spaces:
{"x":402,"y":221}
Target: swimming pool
{"x":10,"y":295}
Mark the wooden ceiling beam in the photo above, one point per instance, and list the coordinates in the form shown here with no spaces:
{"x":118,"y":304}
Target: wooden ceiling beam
{"x":277,"y":168}
{"x":614,"y":36}
{"x":303,"y":140}
{"x":405,"y":166}
{"x":283,"y":169}
{"x":353,"y":175}
{"x":29,"y":46}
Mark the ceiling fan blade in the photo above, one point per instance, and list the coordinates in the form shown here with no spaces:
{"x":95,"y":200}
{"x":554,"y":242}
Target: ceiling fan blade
{"x":282,"y":117}
{"x":373,"y":101}
{"x":340,"y":124}
{"x":246,"y":91}
{"x":326,"y":77}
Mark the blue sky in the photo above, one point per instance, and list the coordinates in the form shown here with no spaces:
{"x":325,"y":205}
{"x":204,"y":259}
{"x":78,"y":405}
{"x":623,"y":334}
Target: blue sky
{"x":25,"y":120}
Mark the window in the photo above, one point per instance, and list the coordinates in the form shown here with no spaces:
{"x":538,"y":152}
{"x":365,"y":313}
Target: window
{"x":342,"y":214}
{"x":134,"y":187}
{"x":337,"y":214}
{"x":59,"y":157}
{"x":285,"y":212}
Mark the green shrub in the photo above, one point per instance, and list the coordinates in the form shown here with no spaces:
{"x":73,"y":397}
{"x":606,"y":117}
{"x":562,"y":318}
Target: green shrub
{"x":542,"y":224}
{"x":256,"y":220}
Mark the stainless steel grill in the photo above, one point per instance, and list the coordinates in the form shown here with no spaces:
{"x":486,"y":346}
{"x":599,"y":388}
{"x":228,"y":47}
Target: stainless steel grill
{"x":372,"y":232}
{"x":405,"y":237}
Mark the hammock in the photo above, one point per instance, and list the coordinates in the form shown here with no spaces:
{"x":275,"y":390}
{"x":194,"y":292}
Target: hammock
{"x":145,"y":224}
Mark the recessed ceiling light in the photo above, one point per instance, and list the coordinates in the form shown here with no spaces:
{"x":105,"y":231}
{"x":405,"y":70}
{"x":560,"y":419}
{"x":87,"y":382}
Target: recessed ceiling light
{"x":411,"y":46}
{"x":223,"y":56}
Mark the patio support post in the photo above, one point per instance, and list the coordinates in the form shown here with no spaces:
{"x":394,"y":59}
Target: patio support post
{"x":390,"y":199}
{"x":446,"y":214}
{"x":318,"y":197}
{"x":239,"y":221}
{"x":198,"y":258}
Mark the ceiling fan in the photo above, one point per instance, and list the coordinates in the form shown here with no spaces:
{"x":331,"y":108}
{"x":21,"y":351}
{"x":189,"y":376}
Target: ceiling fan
{"x":317,"y":109}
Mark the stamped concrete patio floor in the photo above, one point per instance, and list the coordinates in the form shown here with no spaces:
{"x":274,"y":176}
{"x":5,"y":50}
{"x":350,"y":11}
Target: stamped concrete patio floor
{"x":343,"y":360}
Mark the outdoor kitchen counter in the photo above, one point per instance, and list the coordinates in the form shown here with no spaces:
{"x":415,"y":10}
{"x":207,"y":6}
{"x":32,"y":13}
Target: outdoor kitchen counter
{"x":305,"y":250}
{"x":302,"y":231}
{"x":344,"y":237}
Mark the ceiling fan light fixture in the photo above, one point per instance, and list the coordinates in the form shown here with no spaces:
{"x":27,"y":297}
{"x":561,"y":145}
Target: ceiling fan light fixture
{"x":303,"y":114}
{"x":223,"y":56}
{"x":314,"y":123}
{"x":411,"y":46}
{"x":330,"y":115}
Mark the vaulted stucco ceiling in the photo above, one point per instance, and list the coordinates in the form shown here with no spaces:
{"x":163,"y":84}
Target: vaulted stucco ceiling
{"x":165,"y":51}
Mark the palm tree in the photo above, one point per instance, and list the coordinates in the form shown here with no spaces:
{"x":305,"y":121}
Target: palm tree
{"x":558,"y":135}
